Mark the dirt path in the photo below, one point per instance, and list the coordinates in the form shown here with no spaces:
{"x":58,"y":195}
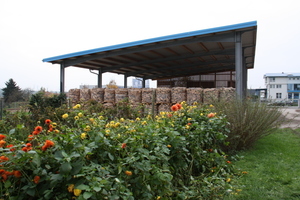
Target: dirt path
{"x":292,"y":117}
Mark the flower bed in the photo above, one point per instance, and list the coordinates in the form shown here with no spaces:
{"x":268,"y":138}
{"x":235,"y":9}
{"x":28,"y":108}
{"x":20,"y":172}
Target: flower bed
{"x":176,"y":155}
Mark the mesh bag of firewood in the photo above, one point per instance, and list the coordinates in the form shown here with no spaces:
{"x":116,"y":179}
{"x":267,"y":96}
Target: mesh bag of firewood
{"x":227,"y":94}
{"x":97,"y":94}
{"x":121,"y":94}
{"x":135,"y":95}
{"x":148,"y":108}
{"x":74,"y":96}
{"x":164,"y":108}
{"x":178,"y":94}
{"x":210,"y":95}
{"x":163,"y":95}
{"x":194,"y":95}
{"x":85,"y":94}
{"x":147,"y":95}
{"x":109,"y":95}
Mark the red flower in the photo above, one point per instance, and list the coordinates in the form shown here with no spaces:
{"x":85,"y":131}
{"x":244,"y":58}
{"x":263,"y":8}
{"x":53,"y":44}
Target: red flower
{"x":47,"y":145}
{"x":28,"y":145}
{"x":179,"y":106}
{"x":17,"y":174}
{"x":38,"y":129}
{"x":30,"y":137}
{"x":26,"y":149}
{"x":36,"y":179}
{"x":211,"y":115}
{"x":174,"y":108}
{"x":3,"y":158}
{"x":123,"y":145}
{"x":48,"y":121}
{"x":4,"y":177}
{"x":228,"y":161}
{"x":9,"y":146}
{"x":2,"y":137}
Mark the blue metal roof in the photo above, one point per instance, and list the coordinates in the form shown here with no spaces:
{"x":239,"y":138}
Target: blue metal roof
{"x":282,"y":75}
{"x":153,"y":40}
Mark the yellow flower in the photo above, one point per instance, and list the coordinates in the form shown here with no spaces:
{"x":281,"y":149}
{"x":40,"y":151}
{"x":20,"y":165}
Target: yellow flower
{"x":56,"y":131}
{"x":87,"y":128}
{"x":101,"y":117}
{"x":92,"y":120}
{"x":83,"y":135}
{"x":189,"y":119}
{"x":228,"y":180}
{"x":71,"y":188}
{"x":158,"y":198}
{"x":128,"y":173}
{"x":77,"y":192}
{"x":64,"y":116}
{"x":77,"y":106}
{"x":117,"y":124}
{"x":54,"y":125}
{"x":211,"y":105}
{"x":187,"y":126}
{"x":137,"y":119}
{"x":144,"y":123}
{"x":122,"y":120}
{"x":80,"y":114}
{"x":169,"y":146}
{"x":107,"y":131}
{"x":76,"y":117}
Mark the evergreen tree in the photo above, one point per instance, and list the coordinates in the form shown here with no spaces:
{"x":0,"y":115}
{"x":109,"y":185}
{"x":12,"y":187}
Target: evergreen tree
{"x":12,"y":92}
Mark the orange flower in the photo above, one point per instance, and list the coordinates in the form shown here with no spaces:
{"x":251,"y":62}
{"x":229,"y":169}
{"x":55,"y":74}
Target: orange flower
{"x":38,"y":129}
{"x":47,"y":145}
{"x":26,"y":149}
{"x":3,"y":158}
{"x":30,"y":137}
{"x":123,"y":145}
{"x":211,"y":115}
{"x":28,"y":145}
{"x":35,"y":133}
{"x":36,"y":179}
{"x":128,"y":173}
{"x":9,"y":146}
{"x":48,"y":121}
{"x":2,"y":143}
{"x":228,"y":162}
{"x":2,"y":137}
{"x":174,"y":108}
{"x":17,"y":174}
{"x":179,"y":106}
{"x":4,"y":177}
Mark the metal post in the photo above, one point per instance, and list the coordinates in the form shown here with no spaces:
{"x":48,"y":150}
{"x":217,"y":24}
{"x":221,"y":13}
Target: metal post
{"x":239,"y":66}
{"x":125,"y":81}
{"x":100,"y":78}
{"x":62,"y":78}
{"x":143,"y":83}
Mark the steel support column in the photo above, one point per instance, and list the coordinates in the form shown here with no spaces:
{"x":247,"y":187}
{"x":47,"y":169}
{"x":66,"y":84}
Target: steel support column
{"x":125,"y":81}
{"x":143,"y":83}
{"x":239,"y":75}
{"x":100,"y":78}
{"x":62,"y":77}
{"x":245,"y":74}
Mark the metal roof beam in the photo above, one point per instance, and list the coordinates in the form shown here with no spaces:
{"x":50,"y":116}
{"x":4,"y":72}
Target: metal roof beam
{"x":225,"y":37}
{"x":226,"y":52}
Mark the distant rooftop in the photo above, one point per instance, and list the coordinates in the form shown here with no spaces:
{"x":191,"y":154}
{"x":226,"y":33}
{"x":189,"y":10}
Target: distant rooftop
{"x":282,"y":75}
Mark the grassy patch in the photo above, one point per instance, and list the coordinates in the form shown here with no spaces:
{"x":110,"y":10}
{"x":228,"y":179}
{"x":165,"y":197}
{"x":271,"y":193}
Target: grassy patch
{"x":272,"y":166}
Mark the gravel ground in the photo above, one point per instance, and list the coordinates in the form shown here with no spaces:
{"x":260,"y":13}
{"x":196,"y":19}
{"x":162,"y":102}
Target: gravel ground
{"x":292,"y":117}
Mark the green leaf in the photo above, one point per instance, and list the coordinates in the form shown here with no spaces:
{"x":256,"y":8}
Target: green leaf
{"x":65,"y":168}
{"x":97,"y":189}
{"x":30,"y":192}
{"x":82,"y":187}
{"x":36,"y":160}
{"x":12,"y":131}
{"x":87,"y":195}
{"x":111,"y":157}
{"x":7,"y":184}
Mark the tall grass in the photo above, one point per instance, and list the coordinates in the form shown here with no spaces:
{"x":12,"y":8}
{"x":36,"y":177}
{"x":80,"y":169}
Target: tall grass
{"x":248,"y":122}
{"x":273,"y":168}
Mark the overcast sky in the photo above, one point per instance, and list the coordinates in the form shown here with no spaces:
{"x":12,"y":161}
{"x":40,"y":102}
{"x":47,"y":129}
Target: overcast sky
{"x":31,"y":30}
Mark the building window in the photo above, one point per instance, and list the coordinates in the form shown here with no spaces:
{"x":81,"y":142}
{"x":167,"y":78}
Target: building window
{"x":272,"y":86}
{"x":278,"y":86}
{"x":290,"y":95}
{"x":272,"y":79}
{"x":296,"y":95}
{"x":278,"y":95}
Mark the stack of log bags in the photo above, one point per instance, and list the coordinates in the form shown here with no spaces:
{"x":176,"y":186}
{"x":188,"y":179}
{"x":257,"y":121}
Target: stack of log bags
{"x":135,"y":98}
{"x":210,"y":95}
{"x":109,"y":97}
{"x":178,"y":95}
{"x":227,"y":94}
{"x":97,"y":94}
{"x":74,"y":96}
{"x":194,"y":95}
{"x":121,"y":94}
{"x":149,"y":100}
{"x":163,"y":99}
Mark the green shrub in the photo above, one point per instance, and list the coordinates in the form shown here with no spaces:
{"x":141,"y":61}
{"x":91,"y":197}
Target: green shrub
{"x":80,"y":155}
{"x":248,"y":121}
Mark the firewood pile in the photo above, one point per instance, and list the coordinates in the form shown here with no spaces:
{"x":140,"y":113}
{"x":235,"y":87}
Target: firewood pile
{"x":210,"y":95}
{"x":147,"y":95}
{"x":109,"y":95}
{"x":227,"y":93}
{"x":85,"y":94}
{"x":74,"y":96}
{"x":194,"y":95}
{"x":163,"y":95}
{"x":97,"y":94}
{"x":178,"y":94}
{"x":135,"y":95}
{"x":121,"y":94}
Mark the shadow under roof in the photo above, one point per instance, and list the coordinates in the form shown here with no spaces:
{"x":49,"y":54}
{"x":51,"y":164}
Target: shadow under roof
{"x":191,"y":53}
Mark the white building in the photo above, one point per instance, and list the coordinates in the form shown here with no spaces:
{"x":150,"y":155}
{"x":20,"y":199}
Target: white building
{"x":282,"y":86}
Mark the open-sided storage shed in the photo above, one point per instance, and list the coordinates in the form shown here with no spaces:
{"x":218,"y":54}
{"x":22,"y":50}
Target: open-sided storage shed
{"x":220,"y":49}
